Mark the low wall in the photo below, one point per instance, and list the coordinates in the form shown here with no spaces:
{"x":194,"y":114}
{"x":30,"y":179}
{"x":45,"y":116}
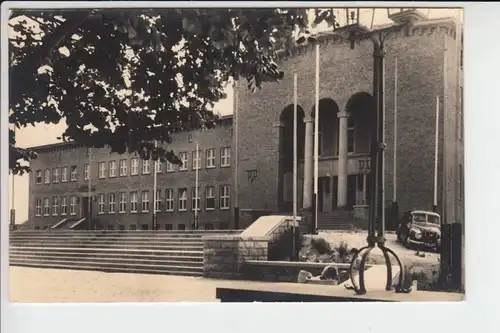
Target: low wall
{"x":224,"y":255}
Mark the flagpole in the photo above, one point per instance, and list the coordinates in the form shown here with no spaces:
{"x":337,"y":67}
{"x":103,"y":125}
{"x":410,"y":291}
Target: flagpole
{"x":294,"y":162}
{"x":395,"y":148}
{"x":436,"y":151}
{"x":196,"y":184}
{"x":89,"y":185}
{"x":154,"y":189}
{"x":444,"y":209}
{"x":235,"y":121}
{"x":316,"y":143}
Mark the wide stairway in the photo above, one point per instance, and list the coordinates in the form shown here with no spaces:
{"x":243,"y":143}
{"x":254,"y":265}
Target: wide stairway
{"x":148,"y":252}
{"x":340,"y":220}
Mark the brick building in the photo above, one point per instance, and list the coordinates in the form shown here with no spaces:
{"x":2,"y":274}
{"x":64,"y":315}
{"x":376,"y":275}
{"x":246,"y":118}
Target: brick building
{"x":260,"y":180}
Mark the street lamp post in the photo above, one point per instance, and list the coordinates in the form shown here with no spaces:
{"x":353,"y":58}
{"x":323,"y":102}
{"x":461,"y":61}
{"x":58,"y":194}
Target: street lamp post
{"x":376,"y":221}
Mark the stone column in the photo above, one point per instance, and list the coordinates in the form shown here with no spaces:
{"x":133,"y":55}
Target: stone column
{"x":308,"y":164}
{"x":342,"y":169}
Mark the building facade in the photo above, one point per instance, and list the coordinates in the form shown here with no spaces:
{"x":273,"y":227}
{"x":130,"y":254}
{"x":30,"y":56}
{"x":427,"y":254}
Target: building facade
{"x":258,"y":179}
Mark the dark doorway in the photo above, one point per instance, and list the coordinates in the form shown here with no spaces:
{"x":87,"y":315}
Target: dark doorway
{"x":335,"y":192}
{"x":85,"y":207}
{"x":351,"y":191}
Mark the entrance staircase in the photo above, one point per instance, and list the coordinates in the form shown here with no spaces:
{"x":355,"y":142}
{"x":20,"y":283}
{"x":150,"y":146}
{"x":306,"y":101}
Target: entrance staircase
{"x":340,"y":220}
{"x":148,"y":252}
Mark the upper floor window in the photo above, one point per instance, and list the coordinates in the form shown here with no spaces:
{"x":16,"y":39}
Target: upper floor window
{"x":210,"y":158}
{"x":123,"y":167}
{"x":225,"y":157}
{"x":112,"y":168}
{"x":145,"y":201}
{"x":134,"y":166}
{"x":86,"y":171}
{"x":64,"y":174}
{"x":170,"y":167}
{"x":169,"y":202}
{"x":38,"y":207}
{"x":210,"y":198}
{"x":183,"y":156}
{"x":55,"y":175}
{"x":47,"y":176}
{"x":73,"y":173}
{"x":158,"y":166}
{"x":38,"y":177}
{"x":224,"y":197}
{"x":196,"y":159}
{"x":195,"y":198}
{"x":102,"y":169}
{"x":182,"y":199}
{"x":146,"y":167}
{"x":133,"y":202}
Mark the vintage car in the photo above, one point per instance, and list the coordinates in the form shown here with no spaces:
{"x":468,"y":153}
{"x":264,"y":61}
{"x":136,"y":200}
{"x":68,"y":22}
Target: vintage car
{"x":420,"y":228}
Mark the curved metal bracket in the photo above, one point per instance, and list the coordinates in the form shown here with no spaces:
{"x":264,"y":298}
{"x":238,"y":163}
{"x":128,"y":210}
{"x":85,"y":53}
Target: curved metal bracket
{"x":361,"y":289}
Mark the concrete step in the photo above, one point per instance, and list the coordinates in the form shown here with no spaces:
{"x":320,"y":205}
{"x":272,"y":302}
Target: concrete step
{"x":108,"y":259}
{"x":151,"y":246}
{"x":198,"y":258}
{"x":109,"y":268}
{"x":123,"y":242}
{"x":169,"y":233}
{"x":114,"y":251}
{"x":108,"y":237}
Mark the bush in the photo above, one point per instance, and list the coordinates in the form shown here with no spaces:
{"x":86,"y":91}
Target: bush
{"x":320,"y":245}
{"x":342,"y":251}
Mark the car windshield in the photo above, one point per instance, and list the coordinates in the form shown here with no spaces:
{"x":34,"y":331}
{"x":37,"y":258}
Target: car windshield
{"x":425,"y":218}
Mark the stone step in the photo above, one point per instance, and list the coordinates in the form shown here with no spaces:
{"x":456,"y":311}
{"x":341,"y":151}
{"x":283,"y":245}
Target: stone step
{"x":108,"y":259}
{"x":151,"y":246}
{"x":165,"y":270}
{"x":106,"y":237}
{"x":170,"y":242}
{"x":178,"y":256}
{"x":114,"y":251}
{"x":91,"y":235}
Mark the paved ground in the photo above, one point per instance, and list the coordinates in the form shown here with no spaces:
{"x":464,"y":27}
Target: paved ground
{"x":53,"y":285}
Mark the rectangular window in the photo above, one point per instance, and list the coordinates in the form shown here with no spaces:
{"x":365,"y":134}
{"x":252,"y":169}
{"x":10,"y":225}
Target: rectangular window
{"x":170,"y":167}
{"x":55,"y":175}
{"x":182,"y":199}
{"x":210,"y":158}
{"x":86,"y":171}
{"x":72,"y":205}
{"x":195,"y":199}
{"x":145,"y":167}
{"x":133,"y":202}
{"x":350,"y":135}
{"x":225,"y":157}
{"x":158,"y":201}
{"x":158,"y":166}
{"x":168,"y":226}
{"x":100,"y":205}
{"x":196,"y":159}
{"x":73,"y":173}
{"x":112,"y":203}
{"x":183,"y":156}
{"x":134,"y":166}
{"x":64,"y":206}
{"x":64,"y":174}
{"x":169,"y":195}
{"x":38,"y":178}
{"x":55,"y":206}
{"x":123,"y":202}
{"x":112,"y":168}
{"x":181,"y":227}
{"x":224,"y":197}
{"x":210,"y":198}
{"x":47,"y":176}
{"x":102,"y":170}
{"x":145,"y":201}
{"x":123,"y":168}
{"x":38,"y":207}
{"x":46,"y":207}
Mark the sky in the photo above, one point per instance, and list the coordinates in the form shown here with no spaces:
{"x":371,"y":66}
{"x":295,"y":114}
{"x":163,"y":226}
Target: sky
{"x":47,"y":134}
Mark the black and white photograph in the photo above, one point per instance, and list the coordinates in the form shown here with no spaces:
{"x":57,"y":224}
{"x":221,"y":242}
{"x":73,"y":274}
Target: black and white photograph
{"x":235,"y":154}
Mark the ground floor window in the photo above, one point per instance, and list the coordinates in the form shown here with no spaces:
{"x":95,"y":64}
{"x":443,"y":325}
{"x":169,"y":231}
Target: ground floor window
{"x":38,"y":209}
{"x":101,"y":204}
{"x":64,"y":206}
{"x":224,"y":197}
{"x":121,"y":227}
{"x":182,"y":199}
{"x":111,"y":227}
{"x":168,"y":226}
{"x":46,"y":207}
{"x":55,"y":206}
{"x":133,"y":227}
{"x":169,"y":202}
{"x":181,"y":227}
{"x":133,"y":202}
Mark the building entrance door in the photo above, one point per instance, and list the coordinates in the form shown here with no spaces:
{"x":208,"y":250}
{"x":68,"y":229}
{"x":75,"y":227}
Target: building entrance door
{"x":85,"y":207}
